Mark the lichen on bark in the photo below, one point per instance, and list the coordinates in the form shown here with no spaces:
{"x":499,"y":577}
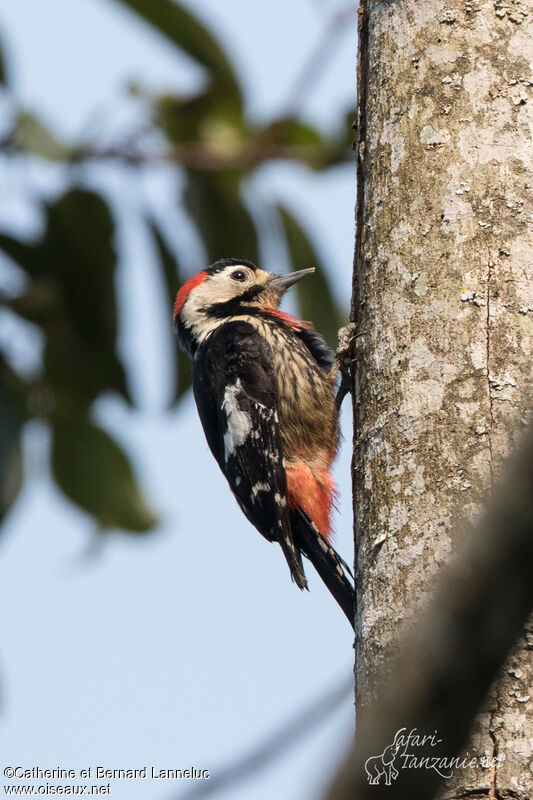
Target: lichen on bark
{"x":443,"y":299}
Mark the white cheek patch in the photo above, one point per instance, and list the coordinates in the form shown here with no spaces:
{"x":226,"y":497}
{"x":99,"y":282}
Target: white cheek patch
{"x":238,"y":422}
{"x":195,"y":319}
{"x":217,"y":288}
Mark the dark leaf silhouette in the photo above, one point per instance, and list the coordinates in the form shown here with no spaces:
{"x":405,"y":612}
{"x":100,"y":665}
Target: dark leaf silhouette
{"x":226,"y":227}
{"x":72,"y":295}
{"x":172,"y":277}
{"x":314,"y":294}
{"x":183,"y":29}
{"x":95,"y":473}
{"x":11,"y":419}
{"x":3,"y":68}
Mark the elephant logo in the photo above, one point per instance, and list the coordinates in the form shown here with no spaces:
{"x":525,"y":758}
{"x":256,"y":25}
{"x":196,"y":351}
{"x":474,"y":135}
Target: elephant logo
{"x":383,"y":765}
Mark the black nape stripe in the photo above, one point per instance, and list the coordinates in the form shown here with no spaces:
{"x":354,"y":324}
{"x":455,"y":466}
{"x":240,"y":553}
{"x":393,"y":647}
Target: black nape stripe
{"x":222,"y":263}
{"x":185,"y":337}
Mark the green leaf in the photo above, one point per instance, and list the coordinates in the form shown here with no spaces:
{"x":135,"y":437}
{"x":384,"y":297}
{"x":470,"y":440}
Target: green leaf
{"x":78,"y":373}
{"x":32,"y":136}
{"x":11,"y":421}
{"x":78,"y":250}
{"x":72,"y":295}
{"x":95,"y":473}
{"x":80,"y":253}
{"x":184,"y":30}
{"x":205,"y":119}
{"x":181,"y":118}
{"x":224,"y":224}
{"x":294,"y":133}
{"x":172,"y":277}
{"x":25,"y":255}
{"x":314,"y":294}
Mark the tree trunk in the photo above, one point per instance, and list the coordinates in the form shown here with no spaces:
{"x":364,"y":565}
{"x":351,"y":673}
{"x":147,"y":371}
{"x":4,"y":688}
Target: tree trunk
{"x":443,"y":300}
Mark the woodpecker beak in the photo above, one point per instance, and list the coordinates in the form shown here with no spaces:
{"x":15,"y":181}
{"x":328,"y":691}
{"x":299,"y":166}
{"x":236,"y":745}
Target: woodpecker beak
{"x":282,"y":282}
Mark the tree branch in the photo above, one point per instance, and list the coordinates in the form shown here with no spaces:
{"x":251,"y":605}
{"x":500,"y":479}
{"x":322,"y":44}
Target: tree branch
{"x":198,"y":155}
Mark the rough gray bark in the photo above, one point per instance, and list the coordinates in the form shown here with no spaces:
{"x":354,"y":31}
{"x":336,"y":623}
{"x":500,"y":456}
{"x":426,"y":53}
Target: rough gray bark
{"x":449,"y":660}
{"x":444,"y":298}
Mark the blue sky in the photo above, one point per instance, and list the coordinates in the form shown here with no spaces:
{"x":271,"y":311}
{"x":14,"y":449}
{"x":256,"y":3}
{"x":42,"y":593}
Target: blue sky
{"x":186,"y":647}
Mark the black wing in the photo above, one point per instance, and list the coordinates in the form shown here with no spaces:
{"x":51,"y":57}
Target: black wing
{"x":237,"y":402}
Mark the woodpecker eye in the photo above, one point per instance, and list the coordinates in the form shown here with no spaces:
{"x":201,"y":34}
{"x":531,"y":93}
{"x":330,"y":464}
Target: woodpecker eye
{"x":238,"y":275}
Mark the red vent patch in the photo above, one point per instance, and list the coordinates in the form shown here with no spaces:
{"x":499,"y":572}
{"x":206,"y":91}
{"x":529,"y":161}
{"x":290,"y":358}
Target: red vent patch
{"x":314,"y":495}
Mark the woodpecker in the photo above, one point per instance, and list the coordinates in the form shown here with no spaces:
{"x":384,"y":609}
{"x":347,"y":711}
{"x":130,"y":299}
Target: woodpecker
{"x":264,"y":385}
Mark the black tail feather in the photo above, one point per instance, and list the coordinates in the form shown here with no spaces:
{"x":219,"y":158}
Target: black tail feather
{"x":294,"y":560}
{"x":326,"y":561}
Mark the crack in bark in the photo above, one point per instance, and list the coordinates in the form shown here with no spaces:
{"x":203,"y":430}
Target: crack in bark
{"x":490,"y":264}
{"x":493,"y":792}
{"x":362,"y":96}
{"x":360,"y":140}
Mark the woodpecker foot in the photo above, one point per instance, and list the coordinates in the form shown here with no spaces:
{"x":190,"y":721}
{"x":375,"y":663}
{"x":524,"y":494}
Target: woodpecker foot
{"x":345,"y":341}
{"x":344,"y":360}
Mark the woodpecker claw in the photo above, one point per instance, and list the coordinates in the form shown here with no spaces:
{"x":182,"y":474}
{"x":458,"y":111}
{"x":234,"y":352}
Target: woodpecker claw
{"x":344,"y":361}
{"x":344,"y":387}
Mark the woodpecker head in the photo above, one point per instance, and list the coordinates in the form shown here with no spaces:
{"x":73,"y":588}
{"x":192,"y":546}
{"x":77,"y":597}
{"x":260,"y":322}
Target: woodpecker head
{"x":228,"y":288}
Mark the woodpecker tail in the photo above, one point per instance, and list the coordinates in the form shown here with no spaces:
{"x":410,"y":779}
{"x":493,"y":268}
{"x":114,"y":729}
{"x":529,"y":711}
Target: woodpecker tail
{"x":294,"y":560}
{"x":326,"y":561}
